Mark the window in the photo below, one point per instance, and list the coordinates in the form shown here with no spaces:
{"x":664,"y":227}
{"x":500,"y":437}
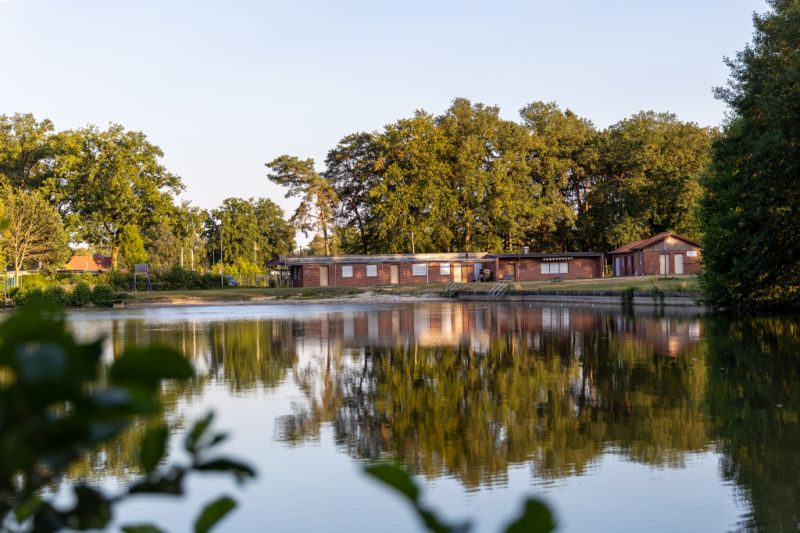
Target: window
{"x":372,"y":271}
{"x":444,"y":269}
{"x":347,"y":271}
{"x":419,"y":269}
{"x":560,"y":267}
{"x":691,"y":253}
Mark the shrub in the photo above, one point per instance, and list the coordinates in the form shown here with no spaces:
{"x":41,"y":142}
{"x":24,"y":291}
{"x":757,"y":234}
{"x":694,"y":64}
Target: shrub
{"x":103,"y":296}
{"x":627,"y":296}
{"x":81,"y":295}
{"x":55,"y":294}
{"x":22,"y":296}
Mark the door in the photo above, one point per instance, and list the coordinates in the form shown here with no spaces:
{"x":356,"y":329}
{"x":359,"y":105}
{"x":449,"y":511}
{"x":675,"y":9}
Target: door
{"x":457,"y":272}
{"x":617,"y":269}
{"x":477,"y":273}
{"x":663,"y":264}
{"x":323,"y":276}
{"x":678,"y":264}
{"x":394,"y":274}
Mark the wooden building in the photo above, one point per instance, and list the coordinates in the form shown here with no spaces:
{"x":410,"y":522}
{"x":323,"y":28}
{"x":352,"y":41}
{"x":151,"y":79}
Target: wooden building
{"x":664,"y":254}
{"x":415,"y":269}
{"x":543,"y":267}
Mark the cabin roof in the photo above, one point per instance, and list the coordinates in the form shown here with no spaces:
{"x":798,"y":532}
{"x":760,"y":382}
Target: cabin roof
{"x":634,"y":246}
{"x":377,"y":258}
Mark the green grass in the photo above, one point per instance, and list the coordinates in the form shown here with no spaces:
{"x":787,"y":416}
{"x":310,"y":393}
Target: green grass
{"x":639,"y":283}
{"x":643,"y":284}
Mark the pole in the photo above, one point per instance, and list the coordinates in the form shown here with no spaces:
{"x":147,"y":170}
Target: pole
{"x":412,"y":243}
{"x":221,"y":278}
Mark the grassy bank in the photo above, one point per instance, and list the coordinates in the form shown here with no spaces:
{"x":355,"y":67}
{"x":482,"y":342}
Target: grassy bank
{"x":686,"y":284}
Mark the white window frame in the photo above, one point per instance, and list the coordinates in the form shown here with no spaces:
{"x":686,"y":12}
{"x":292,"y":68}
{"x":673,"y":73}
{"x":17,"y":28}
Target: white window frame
{"x":444,"y":269}
{"x":347,"y":271}
{"x":372,"y":271}
{"x":691,"y":253}
{"x":555,"y":267}
{"x":419,"y":269}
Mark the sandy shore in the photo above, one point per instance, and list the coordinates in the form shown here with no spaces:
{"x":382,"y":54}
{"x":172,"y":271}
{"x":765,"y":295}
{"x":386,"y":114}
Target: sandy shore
{"x":361,"y":298}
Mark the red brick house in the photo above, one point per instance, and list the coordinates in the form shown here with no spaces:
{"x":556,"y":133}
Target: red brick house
{"x":543,"y":267}
{"x":414,"y":269}
{"x":89,"y":263}
{"x":664,"y":254}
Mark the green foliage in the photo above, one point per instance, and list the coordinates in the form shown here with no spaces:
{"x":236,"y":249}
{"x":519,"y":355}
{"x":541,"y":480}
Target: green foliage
{"x":55,"y":294}
{"x":43,"y":369}
{"x":34,"y":233}
{"x":627,"y":295}
{"x":535,"y":517}
{"x":103,"y":295}
{"x":81,"y":294}
{"x":131,"y":246}
{"x":317,"y":196}
{"x":751,"y":209}
{"x":253,"y":230}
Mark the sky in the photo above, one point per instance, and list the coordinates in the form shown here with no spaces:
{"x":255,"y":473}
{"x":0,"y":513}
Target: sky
{"x":225,"y":86}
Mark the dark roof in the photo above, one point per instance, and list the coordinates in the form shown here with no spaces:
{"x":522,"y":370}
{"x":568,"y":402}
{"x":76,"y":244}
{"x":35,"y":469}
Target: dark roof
{"x":376,"y":258}
{"x":547,"y":255}
{"x":644,"y":243}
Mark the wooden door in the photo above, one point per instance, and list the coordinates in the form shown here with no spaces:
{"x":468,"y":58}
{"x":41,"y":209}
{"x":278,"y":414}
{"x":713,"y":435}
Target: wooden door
{"x":323,"y":276}
{"x":457,"y":272}
{"x":678,"y":264}
{"x":663,"y":264}
{"x":394,"y":274}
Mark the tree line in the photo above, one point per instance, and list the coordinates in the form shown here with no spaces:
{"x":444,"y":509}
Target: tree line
{"x":108,"y":189}
{"x":470,"y":180}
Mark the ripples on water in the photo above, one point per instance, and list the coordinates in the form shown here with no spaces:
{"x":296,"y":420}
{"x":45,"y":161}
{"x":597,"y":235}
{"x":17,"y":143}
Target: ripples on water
{"x":656,"y":421}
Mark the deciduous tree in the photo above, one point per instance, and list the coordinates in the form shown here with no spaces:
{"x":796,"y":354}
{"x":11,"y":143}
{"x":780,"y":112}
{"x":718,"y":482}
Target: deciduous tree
{"x":34,"y":233}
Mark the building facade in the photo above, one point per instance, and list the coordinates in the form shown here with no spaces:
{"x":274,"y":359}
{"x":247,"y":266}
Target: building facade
{"x":664,"y":254}
{"x":417,"y":269}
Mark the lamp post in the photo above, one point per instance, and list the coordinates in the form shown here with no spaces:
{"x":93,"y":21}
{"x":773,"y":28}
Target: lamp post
{"x":221,"y":267}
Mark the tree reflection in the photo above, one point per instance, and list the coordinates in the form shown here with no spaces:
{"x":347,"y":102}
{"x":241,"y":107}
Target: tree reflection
{"x":754,"y":397}
{"x":550,"y":386}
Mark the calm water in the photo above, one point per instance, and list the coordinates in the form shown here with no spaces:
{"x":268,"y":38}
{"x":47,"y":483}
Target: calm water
{"x":623,"y":422}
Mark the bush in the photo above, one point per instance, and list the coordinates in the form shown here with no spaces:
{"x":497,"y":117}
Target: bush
{"x":22,"y":296}
{"x":55,"y":294}
{"x":81,"y":295}
{"x":103,"y":296}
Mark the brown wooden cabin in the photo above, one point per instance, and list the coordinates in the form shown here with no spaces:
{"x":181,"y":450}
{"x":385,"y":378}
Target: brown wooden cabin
{"x":664,"y":254}
{"x":382,"y":269}
{"x":544,"y":267}
{"x":415,"y":269}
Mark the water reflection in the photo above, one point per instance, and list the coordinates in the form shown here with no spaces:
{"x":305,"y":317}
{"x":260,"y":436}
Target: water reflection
{"x":470,"y":390}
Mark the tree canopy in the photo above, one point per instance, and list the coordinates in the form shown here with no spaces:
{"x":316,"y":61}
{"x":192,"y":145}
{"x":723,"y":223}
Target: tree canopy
{"x":751,"y":208}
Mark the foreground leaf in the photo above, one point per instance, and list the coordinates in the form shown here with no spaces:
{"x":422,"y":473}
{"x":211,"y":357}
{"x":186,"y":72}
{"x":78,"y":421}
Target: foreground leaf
{"x":213,"y":513}
{"x":536,"y":518}
{"x":154,"y":446}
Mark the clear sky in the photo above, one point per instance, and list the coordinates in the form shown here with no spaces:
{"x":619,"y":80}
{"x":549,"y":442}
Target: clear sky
{"x":224,"y":86}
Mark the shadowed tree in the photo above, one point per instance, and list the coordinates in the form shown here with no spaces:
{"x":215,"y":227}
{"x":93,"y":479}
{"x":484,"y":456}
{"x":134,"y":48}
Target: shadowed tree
{"x":317,"y":197}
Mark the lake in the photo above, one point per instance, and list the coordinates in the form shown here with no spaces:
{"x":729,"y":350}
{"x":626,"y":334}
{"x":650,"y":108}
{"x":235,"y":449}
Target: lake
{"x":645,"y":420}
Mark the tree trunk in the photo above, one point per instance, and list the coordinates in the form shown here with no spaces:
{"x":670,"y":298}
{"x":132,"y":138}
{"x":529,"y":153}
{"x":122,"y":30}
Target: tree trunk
{"x":325,"y":244}
{"x":114,"y":257}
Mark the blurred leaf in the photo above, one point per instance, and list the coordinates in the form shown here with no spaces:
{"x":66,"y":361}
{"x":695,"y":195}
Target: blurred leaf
{"x":396,"y":478}
{"x":195,"y":435}
{"x":92,"y":510}
{"x":535,"y":518}
{"x":28,"y":507}
{"x":171,"y":483}
{"x":141,"y":528}
{"x":154,"y":445}
{"x":240,"y":470}
{"x":213,"y":513}
{"x":146,"y":367}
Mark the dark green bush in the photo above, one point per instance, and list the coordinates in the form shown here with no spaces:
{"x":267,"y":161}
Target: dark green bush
{"x":81,"y":295}
{"x":103,"y":296}
{"x":627,"y":295}
{"x":21,"y":296}
{"x":55,"y":294}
